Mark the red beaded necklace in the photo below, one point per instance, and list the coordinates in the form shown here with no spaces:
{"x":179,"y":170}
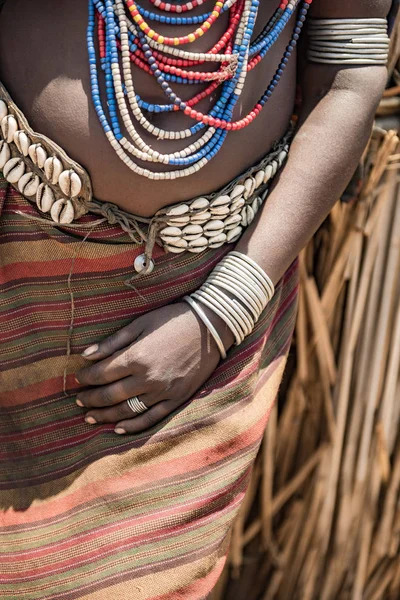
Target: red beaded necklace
{"x":178,"y":8}
{"x":129,"y":39}
{"x":173,"y":66}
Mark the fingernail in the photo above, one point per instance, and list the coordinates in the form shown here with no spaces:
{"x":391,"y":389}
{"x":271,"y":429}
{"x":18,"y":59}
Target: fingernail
{"x":79,"y":403}
{"x":119,"y":430}
{"x":91,"y":350}
{"x":90,"y":420}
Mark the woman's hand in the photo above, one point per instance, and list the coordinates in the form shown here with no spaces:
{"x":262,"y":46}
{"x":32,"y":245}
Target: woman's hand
{"x":163,"y":357}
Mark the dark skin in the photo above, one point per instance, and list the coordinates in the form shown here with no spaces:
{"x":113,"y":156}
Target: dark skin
{"x":54,"y":91}
{"x":337,"y":113}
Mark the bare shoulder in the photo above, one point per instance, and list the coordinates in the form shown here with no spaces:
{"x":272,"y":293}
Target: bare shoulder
{"x":354,"y":9}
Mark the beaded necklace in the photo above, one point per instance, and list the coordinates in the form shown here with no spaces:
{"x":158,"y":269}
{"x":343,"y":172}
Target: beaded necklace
{"x":125,"y":37}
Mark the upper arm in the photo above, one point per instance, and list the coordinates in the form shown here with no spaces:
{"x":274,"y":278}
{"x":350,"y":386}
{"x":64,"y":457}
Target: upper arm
{"x":366,"y":82}
{"x":350,"y":9}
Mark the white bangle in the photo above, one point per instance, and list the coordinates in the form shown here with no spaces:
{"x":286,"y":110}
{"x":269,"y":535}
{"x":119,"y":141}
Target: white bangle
{"x":242,"y":274}
{"x":199,"y":296}
{"x":251,"y":273}
{"x":250,"y":289}
{"x":228,"y":284}
{"x":264,"y":277}
{"x":232,"y":306}
{"x":203,"y":317}
{"x":258,"y":294}
{"x":229,"y":316}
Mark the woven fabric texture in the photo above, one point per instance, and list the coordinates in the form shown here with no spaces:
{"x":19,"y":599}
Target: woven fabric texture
{"x":84,"y":513}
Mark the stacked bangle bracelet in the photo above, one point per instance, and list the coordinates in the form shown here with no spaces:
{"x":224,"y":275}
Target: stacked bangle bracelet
{"x":250,"y":289}
{"x":348,"y":41}
{"x":203,"y":317}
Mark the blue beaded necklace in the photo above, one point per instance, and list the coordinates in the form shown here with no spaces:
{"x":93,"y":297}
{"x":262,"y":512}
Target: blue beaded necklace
{"x":125,"y":107}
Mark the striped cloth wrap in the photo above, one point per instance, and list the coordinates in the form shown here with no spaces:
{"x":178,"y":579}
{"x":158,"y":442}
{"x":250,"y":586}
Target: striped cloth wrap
{"x":84,"y":513}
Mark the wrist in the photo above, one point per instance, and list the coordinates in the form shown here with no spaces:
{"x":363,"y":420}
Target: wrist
{"x":234,"y":296}
{"x":218,"y":334}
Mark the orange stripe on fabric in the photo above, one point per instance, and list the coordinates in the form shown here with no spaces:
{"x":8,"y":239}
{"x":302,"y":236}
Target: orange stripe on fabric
{"x":142,"y":474}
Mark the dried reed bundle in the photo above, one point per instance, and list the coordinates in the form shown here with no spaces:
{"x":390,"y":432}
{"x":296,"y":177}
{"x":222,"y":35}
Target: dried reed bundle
{"x":321,"y":519}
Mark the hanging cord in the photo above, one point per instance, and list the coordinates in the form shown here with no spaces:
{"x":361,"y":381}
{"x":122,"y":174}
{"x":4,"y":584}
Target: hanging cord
{"x":78,"y":247}
{"x":72,"y":300}
{"x":112,"y":218}
{"x":116,"y":216}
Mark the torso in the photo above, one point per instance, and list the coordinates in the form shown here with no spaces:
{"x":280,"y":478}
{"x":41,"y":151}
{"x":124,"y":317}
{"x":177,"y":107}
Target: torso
{"x":43,"y":63}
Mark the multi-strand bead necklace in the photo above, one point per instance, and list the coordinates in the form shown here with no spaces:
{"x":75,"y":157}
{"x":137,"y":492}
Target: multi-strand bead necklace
{"x":125,"y":37}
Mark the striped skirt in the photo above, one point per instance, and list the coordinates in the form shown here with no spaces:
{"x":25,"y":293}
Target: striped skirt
{"x":85,"y":513}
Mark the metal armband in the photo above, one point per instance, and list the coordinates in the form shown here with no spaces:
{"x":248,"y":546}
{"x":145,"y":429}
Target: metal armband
{"x":348,"y":41}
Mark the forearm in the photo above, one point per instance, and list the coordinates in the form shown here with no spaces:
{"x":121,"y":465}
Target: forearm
{"x":339,"y":104}
{"x":324,"y":154}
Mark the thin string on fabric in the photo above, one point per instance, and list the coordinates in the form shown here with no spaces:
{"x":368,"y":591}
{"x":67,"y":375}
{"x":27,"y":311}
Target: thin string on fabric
{"x":78,"y":247}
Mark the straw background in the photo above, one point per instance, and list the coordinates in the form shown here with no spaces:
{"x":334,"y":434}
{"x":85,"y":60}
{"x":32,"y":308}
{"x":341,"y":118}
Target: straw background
{"x":321,"y":520}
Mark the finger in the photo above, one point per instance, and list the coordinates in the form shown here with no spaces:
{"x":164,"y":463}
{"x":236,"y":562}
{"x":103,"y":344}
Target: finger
{"x":110,"y":369}
{"x":114,"y":414}
{"x":122,"y":338}
{"x":109,"y":395}
{"x":150,"y":418}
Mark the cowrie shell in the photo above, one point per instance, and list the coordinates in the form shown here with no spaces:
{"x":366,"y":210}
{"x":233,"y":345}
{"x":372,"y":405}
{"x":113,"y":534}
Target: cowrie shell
{"x":250,"y":214}
{"x":171,"y":231}
{"x":220,"y":210}
{"x":70,"y":183}
{"x":199,"y":204}
{"x":243,"y":222}
{"x":213,"y":234}
{"x":282,"y":157}
{"x":53,"y":169}
{"x":38,"y":155}
{"x":201,"y":218}
{"x":3,"y":110}
{"x":5,"y":153}
{"x":234,"y":234}
{"x":14,"y":169}
{"x":174,"y":249}
{"x":22,"y":142}
{"x":9,"y":127}
{"x":28,"y":184}
{"x":171,"y":240}
{"x":198,"y":249}
{"x":237,"y":205}
{"x":220,"y":201}
{"x":217,"y":240}
{"x":274,"y":166}
{"x":254,"y":205}
{"x":179,"y":221}
{"x":63,"y":212}
{"x":232,"y":221}
{"x":177,"y":243}
{"x":194,"y":236}
{"x":259,"y":178}
{"x":249,"y":187}
{"x":199,"y":243}
{"x":192,"y":230}
{"x":268,"y":173}
{"x":213,"y":226}
{"x":237,"y":191}
{"x":44,"y":197}
{"x":177,"y":211}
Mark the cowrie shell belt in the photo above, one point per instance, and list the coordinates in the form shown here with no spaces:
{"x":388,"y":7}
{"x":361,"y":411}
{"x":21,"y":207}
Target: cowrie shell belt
{"x":61,"y":188}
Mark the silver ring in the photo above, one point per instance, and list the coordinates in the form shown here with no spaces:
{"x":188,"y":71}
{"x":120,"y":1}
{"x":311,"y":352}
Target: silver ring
{"x":136,"y":405}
